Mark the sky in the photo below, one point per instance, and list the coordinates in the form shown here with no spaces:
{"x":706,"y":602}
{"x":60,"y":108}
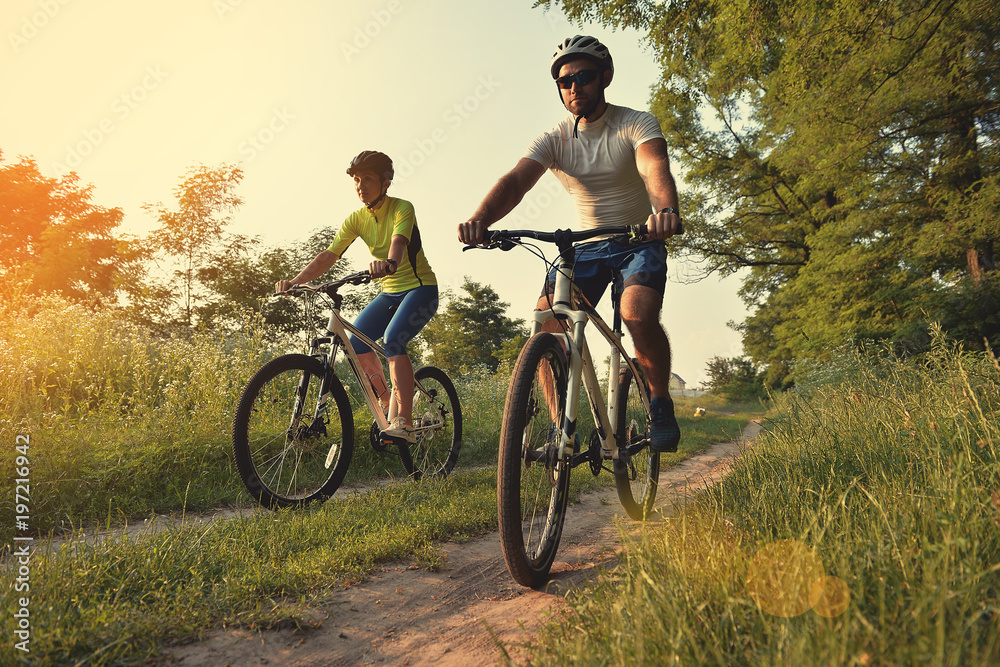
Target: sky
{"x":131,"y":94}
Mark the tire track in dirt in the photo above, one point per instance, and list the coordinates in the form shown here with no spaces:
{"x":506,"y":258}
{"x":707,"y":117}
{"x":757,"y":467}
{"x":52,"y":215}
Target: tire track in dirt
{"x":405,"y":615}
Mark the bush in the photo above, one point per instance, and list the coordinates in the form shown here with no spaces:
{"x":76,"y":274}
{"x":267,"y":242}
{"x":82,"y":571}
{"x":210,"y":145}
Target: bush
{"x":735,"y":379}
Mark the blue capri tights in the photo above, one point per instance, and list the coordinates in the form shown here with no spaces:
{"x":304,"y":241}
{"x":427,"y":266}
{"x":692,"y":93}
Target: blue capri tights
{"x":396,"y":318}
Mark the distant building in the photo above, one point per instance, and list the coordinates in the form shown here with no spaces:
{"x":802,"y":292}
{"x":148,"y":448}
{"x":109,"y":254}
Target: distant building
{"x":677,"y":383}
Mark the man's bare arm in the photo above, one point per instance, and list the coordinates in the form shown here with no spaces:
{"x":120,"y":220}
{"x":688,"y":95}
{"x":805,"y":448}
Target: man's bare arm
{"x":653,"y":163}
{"x":501,"y":199}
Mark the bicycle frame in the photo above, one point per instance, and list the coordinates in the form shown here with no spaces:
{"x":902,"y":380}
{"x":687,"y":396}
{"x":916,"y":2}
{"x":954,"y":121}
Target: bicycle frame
{"x":337,"y":335}
{"x":582,"y":369}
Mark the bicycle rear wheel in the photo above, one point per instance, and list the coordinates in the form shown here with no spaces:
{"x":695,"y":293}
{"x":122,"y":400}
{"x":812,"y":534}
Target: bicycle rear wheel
{"x":437,"y":419}
{"x":291,"y":443}
{"x":637,"y":469}
{"x":532,"y":482}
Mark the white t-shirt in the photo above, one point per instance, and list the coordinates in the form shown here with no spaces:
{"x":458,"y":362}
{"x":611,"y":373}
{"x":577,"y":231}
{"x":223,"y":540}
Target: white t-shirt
{"x":597,"y":167}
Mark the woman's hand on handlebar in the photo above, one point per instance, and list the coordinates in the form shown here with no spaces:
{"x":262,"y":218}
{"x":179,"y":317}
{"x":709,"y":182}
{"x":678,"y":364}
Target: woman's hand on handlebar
{"x":380,"y":268}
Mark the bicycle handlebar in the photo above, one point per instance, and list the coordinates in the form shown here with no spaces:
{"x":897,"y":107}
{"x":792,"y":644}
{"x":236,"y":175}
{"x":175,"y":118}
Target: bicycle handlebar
{"x":507,"y":239}
{"x":330,"y":289}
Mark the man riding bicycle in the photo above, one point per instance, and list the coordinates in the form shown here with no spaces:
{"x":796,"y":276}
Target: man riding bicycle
{"x":613,"y":161}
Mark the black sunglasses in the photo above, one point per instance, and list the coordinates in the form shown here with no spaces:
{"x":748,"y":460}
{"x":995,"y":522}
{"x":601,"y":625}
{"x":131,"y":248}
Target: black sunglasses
{"x":581,"y":78}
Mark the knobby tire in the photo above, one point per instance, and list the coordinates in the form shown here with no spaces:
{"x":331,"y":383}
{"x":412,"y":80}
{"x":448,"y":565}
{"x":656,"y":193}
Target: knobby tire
{"x":532,"y":483}
{"x":281,"y":444}
{"x":636,"y":475}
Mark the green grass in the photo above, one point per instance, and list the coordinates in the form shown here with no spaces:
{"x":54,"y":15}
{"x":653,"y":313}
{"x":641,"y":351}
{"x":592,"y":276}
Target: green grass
{"x":886,"y":476}
{"x":119,"y":601}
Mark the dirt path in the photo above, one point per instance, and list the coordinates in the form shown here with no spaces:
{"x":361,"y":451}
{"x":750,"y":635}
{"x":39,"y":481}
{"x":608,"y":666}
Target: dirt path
{"x":404,"y":615}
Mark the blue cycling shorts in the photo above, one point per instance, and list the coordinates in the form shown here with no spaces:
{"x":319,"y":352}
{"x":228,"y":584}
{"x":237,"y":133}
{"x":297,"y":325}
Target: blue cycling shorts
{"x":396,"y":318}
{"x":600,"y":262}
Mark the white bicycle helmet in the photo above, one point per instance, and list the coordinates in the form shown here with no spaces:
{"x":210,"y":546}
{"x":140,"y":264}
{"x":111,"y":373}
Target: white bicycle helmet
{"x":581,"y":46}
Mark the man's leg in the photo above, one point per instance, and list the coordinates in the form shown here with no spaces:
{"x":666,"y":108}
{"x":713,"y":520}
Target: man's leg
{"x":640,"y":309}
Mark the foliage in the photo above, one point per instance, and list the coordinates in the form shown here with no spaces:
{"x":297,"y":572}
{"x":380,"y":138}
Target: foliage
{"x":736,"y":379}
{"x":845,"y":153}
{"x":473,"y":330}
{"x":242,"y":283}
{"x":53,"y":238}
{"x":122,"y":421}
{"x":885,"y":474}
{"x":195,"y":233}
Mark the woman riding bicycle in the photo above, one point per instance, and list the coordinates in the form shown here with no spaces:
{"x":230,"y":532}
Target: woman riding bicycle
{"x":409,"y":297}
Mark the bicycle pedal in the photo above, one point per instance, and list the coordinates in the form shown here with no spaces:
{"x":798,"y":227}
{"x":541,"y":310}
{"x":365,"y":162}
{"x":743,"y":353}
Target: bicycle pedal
{"x":396,"y":440}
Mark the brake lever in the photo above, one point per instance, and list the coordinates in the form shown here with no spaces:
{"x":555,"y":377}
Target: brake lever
{"x":504,"y":245}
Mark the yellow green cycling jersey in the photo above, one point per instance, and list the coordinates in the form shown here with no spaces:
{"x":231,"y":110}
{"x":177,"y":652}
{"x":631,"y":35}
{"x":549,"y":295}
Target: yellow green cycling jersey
{"x":395,"y":216}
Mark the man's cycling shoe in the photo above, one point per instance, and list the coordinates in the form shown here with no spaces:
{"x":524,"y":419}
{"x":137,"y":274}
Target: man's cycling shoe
{"x":664,"y":433}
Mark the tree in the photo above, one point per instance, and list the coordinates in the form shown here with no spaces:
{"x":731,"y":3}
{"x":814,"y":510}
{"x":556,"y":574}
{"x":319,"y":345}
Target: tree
{"x":242,"y":283}
{"x":844,"y":152}
{"x":53,"y":238}
{"x":195,"y":234}
{"x":473,"y":330}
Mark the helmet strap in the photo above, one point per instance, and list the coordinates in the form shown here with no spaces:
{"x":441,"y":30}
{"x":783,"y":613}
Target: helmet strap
{"x":378,"y":200}
{"x":586,"y":115}
{"x":374,"y":203}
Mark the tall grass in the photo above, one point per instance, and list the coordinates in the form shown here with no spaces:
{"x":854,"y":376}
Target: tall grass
{"x":124,"y":424}
{"x":120,"y":421}
{"x":862,"y":528}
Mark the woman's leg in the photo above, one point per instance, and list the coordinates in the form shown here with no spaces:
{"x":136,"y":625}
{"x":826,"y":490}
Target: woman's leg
{"x":401,"y":372}
{"x":372,"y":321}
{"x":372,"y":366}
{"x":414,"y":312}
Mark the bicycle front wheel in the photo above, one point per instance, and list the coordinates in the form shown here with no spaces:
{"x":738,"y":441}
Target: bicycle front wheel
{"x":637,"y":469}
{"x":437,"y":420}
{"x":532,"y":481}
{"x":293,"y":433}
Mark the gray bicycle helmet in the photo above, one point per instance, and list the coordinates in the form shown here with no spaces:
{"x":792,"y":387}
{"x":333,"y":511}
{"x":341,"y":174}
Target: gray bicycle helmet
{"x":380,"y":163}
{"x":581,"y":46}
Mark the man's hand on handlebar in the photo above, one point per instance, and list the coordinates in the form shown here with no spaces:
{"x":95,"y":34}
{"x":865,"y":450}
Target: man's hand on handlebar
{"x":472,"y":232}
{"x":663,"y":225}
{"x":283,"y":286}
